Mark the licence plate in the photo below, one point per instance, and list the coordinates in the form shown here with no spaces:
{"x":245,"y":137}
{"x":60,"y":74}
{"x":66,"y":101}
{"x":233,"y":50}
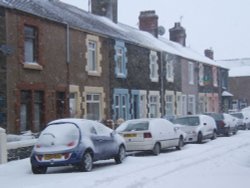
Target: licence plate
{"x":52,"y":156}
{"x":129,"y":135}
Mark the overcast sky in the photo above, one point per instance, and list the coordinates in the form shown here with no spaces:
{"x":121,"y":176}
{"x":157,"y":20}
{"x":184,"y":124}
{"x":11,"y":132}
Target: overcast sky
{"x":222,"y":25}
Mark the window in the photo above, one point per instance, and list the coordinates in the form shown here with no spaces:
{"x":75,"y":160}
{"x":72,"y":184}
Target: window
{"x":153,"y":106}
{"x":184,"y":104}
{"x":93,"y":106}
{"x":92,"y":60}
{"x":170,"y":70}
{"x":191,"y":104}
{"x":30,"y":44}
{"x":143,"y":109}
{"x":169,"y":105}
{"x":154,"y":67}
{"x":178,"y":104}
{"x":38,"y":110}
{"x":201,"y":74}
{"x":215,"y":77}
{"x":72,"y":104}
{"x":31,"y":110}
{"x":202,"y":105}
{"x":191,"y":73}
{"x":120,"y":60}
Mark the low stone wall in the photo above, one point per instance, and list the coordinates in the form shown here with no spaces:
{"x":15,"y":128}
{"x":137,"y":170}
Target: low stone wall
{"x":19,"y":153}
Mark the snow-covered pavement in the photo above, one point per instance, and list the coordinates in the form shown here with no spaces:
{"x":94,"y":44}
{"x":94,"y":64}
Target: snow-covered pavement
{"x":224,"y":163}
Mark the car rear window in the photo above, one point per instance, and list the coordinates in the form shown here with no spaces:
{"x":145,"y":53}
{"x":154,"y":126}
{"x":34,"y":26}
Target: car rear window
{"x":136,"y":126}
{"x":59,"y":134}
{"x":191,"y":121}
{"x":217,"y":117}
{"x":238,"y":115}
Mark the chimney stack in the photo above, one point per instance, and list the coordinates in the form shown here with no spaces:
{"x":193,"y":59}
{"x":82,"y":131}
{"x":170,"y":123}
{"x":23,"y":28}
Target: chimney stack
{"x":148,"y":21}
{"x":107,"y":8}
{"x":209,"y":53}
{"x":178,"y":34}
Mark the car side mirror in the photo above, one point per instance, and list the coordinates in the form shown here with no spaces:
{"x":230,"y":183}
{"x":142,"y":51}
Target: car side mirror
{"x":112,"y":134}
{"x":204,"y":123}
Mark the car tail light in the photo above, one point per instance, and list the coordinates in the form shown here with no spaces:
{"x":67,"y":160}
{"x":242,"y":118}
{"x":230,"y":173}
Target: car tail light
{"x":66,"y":155}
{"x":70,"y":144}
{"x":39,"y":157}
{"x":221,"y":123}
{"x":147,"y":135}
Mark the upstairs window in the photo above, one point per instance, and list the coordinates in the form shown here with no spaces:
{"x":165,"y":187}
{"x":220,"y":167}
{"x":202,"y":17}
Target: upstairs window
{"x":215,"y":77}
{"x":169,"y":68}
{"x":191,"y":73}
{"x":92,"y":60}
{"x":154,"y":67}
{"x":30,"y":44}
{"x":120,"y":60}
{"x":201,"y":74}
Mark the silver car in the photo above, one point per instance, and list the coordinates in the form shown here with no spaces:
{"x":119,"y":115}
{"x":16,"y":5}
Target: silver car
{"x":76,"y":142}
{"x":151,"y":135}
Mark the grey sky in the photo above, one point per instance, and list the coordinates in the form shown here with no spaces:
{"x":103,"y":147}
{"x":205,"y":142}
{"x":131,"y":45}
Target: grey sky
{"x":222,"y":25}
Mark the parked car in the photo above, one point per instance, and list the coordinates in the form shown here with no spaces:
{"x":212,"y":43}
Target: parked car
{"x":197,"y":127}
{"x":76,"y":142}
{"x":246,"y":114}
{"x":241,"y":120}
{"x":225,"y":123}
{"x":151,"y":135}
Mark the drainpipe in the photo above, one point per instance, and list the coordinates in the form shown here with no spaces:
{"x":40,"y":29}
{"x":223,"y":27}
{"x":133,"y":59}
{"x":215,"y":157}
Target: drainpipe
{"x":162,"y":85}
{"x":67,"y":64}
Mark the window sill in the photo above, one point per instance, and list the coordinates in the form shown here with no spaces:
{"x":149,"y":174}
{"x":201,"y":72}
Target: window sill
{"x":33,"y":66}
{"x":94,"y":73}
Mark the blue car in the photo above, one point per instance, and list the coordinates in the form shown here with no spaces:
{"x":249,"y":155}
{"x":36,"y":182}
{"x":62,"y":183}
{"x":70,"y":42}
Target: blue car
{"x":76,"y":142}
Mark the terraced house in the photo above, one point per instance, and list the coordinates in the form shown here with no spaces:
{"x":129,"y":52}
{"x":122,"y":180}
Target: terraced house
{"x":62,"y":61}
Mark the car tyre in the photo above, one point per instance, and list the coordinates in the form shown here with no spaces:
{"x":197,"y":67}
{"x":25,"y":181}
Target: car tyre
{"x":199,"y":138}
{"x":157,"y":149}
{"x":121,"y":155}
{"x":39,"y":169}
{"x":86,"y":164}
{"x":214,"y":135}
{"x":180,"y":143}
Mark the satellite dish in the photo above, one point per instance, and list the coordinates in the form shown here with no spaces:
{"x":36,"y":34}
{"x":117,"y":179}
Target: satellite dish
{"x":161,"y":30}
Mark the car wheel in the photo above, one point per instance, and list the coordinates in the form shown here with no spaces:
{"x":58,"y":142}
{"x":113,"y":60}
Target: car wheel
{"x":157,"y":149}
{"x":39,"y":169}
{"x":199,"y":138}
{"x":121,"y":155}
{"x":180,"y":143}
{"x":214,"y":135}
{"x":86,"y":164}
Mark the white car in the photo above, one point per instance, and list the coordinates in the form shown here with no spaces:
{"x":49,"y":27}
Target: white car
{"x":151,"y":135}
{"x":197,"y":127}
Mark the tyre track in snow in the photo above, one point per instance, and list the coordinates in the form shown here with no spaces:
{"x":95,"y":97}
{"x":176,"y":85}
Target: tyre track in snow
{"x":211,"y":152}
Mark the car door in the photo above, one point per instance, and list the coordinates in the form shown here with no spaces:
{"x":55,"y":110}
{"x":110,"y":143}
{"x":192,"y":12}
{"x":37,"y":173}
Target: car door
{"x":105,"y":140}
{"x":208,"y":130}
{"x":160,"y":132}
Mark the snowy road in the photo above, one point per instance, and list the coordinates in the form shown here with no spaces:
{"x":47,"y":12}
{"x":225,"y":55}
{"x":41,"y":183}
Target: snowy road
{"x":224,"y":163}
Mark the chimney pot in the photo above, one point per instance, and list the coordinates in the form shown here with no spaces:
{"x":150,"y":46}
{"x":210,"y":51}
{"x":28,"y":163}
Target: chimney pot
{"x":178,"y":34}
{"x":148,"y":21}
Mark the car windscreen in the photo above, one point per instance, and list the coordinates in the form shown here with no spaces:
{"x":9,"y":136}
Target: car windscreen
{"x":134,"y":126}
{"x":238,"y":115}
{"x":65,"y":134}
{"x":190,"y":121}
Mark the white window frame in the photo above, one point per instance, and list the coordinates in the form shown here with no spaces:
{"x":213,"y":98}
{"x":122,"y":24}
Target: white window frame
{"x":201,"y":74}
{"x":94,"y":101}
{"x":143,"y":104}
{"x":215,"y":76}
{"x":184,"y":104}
{"x":169,"y":103}
{"x":92,"y":56}
{"x":170,"y":70}
{"x":153,"y":103}
{"x":191,"y":104}
{"x":179,"y":104}
{"x":154,"y":76}
{"x":191,"y":73}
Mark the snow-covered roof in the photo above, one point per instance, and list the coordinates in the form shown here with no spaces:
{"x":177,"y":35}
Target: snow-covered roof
{"x":58,"y":11}
{"x":237,"y":67}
